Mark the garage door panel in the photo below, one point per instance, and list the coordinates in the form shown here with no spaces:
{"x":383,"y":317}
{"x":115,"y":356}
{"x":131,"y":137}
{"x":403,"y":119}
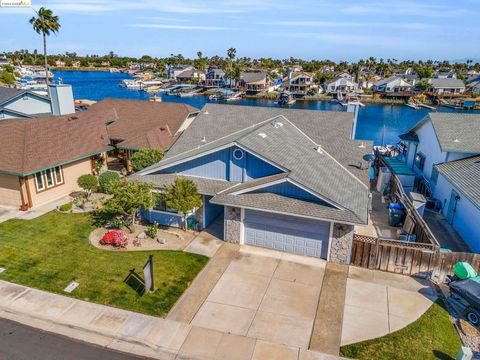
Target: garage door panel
{"x":287,"y":233}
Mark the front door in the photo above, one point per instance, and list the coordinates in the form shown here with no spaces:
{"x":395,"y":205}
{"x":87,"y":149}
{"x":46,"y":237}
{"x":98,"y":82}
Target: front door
{"x":452,"y":204}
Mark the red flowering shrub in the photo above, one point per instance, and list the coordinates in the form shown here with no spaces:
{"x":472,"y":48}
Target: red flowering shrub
{"x":115,"y":238}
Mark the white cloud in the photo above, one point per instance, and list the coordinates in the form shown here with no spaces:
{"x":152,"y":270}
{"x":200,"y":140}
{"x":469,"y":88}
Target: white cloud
{"x":347,"y":24}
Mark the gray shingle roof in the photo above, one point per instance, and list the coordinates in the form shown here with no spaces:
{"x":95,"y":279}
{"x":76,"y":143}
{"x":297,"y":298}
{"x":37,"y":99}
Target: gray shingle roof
{"x":283,"y":204}
{"x":447,"y":83}
{"x":9,"y":93}
{"x":456,"y":132}
{"x":223,"y":124}
{"x":204,"y":186}
{"x":465,"y":176}
{"x":253,"y":76}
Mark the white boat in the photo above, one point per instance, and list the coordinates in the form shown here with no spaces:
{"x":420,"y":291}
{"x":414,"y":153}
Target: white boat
{"x":411,"y":105}
{"x":285,"y":98}
{"x":233,"y":97}
{"x":427,"y":106}
{"x":189,"y":93}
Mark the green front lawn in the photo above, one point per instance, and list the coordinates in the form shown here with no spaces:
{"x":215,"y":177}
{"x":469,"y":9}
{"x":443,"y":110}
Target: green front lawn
{"x":51,"y":251}
{"x":432,"y":336}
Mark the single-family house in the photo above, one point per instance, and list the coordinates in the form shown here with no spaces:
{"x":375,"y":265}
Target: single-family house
{"x":60,"y":63}
{"x":190,"y":75}
{"x":215,"y":78}
{"x":444,"y":74}
{"x":474,"y":86}
{"x":255,"y":81}
{"x":43,"y":157}
{"x":174,"y":70}
{"x":442,"y":149}
{"x":340,"y":84}
{"x":18,"y":103}
{"x":393,"y":84}
{"x":457,"y":188}
{"x":298,"y":83}
{"x":278,"y":178}
{"x":446,"y":86}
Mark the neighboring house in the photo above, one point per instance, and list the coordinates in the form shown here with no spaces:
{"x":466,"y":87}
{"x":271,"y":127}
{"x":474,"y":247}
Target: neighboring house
{"x":43,"y":157}
{"x":474,"y":87}
{"x":298,"y":83}
{"x":17,"y":103}
{"x":255,"y":81}
{"x":340,"y":84}
{"x":190,"y":75}
{"x":344,"y":74}
{"x":446,"y":86}
{"x":445,"y":74}
{"x":59,"y":63}
{"x":458,"y":189}
{"x":174,"y":70}
{"x":440,"y":149}
{"x":393,"y":84}
{"x":279,"y":178}
{"x":215,"y":78}
{"x":141,"y":66}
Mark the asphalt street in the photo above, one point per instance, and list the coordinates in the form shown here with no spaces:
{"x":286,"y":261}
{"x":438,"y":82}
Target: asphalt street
{"x":20,"y":342}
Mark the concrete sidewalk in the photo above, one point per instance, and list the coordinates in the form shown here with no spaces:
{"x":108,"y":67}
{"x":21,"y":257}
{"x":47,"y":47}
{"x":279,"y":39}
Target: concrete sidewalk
{"x":135,"y":333}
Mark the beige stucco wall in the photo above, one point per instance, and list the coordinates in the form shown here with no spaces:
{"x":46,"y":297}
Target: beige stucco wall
{"x":10,"y":190}
{"x":71,"y":172}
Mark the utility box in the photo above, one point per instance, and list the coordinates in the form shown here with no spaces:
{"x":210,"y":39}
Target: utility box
{"x":384,"y":176}
{"x":419,"y":201}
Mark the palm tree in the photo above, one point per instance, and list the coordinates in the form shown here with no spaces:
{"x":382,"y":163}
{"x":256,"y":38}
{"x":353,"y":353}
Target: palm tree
{"x":231,"y":53}
{"x":45,"y":23}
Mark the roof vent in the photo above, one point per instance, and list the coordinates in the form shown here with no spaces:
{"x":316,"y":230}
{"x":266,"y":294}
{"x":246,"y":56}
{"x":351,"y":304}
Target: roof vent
{"x":262,"y":135}
{"x":204,"y":139}
{"x":205,"y":112}
{"x":362,"y":145}
{"x":71,"y":118}
{"x":456,"y":140}
{"x":319,"y":149}
{"x":277,"y":124}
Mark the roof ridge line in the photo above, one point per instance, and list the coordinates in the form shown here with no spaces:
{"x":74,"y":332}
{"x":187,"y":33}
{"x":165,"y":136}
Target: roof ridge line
{"x":230,"y":134}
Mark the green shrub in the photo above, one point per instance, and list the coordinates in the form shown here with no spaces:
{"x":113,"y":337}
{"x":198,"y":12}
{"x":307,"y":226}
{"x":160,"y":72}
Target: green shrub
{"x":152,"y":230}
{"x":88,"y":182}
{"x":146,"y":157}
{"x":65,"y":207}
{"x":106,"y":180}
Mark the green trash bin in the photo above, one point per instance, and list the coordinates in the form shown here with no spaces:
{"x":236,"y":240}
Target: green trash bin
{"x":395,"y":217}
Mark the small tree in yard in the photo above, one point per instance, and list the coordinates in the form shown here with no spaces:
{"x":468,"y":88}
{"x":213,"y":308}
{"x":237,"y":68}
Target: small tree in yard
{"x":146,"y":157}
{"x":182,"y":196}
{"x":128,"y":197}
{"x":88,"y":182}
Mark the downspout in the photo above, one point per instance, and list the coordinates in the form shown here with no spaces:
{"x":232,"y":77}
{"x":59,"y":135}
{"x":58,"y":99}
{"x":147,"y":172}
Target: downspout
{"x":455,"y":209}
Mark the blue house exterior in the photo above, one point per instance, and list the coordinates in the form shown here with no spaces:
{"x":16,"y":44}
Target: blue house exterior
{"x":272,"y":185}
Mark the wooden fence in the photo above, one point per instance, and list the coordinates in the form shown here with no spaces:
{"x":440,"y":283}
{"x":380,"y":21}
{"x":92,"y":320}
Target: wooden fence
{"x":421,"y":258}
{"x":407,"y":258}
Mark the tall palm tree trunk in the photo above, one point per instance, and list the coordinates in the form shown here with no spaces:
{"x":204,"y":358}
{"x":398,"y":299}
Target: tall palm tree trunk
{"x":45,"y":57}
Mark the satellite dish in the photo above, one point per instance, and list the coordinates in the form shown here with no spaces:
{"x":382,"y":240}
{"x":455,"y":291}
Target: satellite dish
{"x":368,"y":157}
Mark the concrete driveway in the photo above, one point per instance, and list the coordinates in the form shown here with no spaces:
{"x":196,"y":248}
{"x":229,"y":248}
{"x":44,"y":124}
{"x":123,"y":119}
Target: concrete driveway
{"x":266,"y":295}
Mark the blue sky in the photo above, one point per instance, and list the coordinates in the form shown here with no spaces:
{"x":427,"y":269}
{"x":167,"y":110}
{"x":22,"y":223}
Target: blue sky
{"x":346,"y":30}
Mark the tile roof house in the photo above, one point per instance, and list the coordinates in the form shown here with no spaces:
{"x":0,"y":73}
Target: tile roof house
{"x":43,"y":157}
{"x":443,"y":149}
{"x":281,"y":178}
{"x":18,"y":103}
{"x":447,"y":86}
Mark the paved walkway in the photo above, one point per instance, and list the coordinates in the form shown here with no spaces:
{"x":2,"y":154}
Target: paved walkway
{"x":12,"y":212}
{"x":327,"y":331}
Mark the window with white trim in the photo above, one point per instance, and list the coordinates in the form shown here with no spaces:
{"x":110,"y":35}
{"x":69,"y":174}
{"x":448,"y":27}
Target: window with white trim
{"x":39,"y":183}
{"x":48,"y":178}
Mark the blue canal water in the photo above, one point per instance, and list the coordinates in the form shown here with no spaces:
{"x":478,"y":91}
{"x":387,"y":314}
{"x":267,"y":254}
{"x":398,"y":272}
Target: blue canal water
{"x":380,"y":123}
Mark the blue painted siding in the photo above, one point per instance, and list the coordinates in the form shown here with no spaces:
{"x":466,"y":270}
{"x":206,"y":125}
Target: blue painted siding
{"x":212,"y":211}
{"x":213,"y":166}
{"x":256,"y":168}
{"x":290,"y":190}
{"x":30,"y":105}
{"x":222,"y":165}
{"x":163,"y":218}
{"x":237,"y":165}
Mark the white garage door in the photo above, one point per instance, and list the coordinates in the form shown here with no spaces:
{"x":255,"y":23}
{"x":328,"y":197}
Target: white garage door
{"x":287,"y":233}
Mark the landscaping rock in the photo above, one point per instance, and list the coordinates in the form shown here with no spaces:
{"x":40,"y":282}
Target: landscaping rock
{"x":162,"y":240}
{"x":142,"y":235}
